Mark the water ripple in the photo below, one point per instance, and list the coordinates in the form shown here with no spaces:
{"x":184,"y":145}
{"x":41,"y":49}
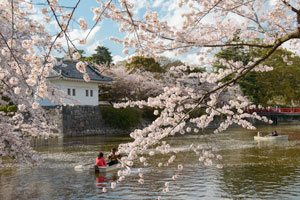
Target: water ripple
{"x":251,"y":171}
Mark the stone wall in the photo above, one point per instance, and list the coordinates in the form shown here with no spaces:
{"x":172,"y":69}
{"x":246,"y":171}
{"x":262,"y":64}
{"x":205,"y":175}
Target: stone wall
{"x":55,"y":115}
{"x":80,"y":121}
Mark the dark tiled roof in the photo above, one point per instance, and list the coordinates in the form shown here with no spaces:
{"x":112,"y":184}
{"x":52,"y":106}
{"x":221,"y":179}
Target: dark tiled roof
{"x":68,"y":70}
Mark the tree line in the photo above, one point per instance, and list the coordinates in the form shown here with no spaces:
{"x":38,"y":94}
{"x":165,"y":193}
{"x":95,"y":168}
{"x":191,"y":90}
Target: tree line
{"x":279,"y":86}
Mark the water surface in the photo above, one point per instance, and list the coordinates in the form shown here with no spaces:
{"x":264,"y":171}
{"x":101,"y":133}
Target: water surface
{"x":250,"y":170}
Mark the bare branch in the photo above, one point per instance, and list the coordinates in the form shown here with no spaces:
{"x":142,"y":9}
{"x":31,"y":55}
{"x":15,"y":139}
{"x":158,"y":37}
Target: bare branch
{"x":290,"y":6}
{"x":12,"y":22}
{"x":13,"y":55}
{"x":205,"y":14}
{"x":133,"y":24}
{"x":64,"y":29}
{"x":297,"y":11}
{"x":98,"y":19}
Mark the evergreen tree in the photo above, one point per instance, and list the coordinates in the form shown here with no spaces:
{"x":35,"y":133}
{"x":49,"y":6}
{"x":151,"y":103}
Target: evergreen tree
{"x":144,"y":63}
{"x":279,"y":86}
{"x":102,"y":56}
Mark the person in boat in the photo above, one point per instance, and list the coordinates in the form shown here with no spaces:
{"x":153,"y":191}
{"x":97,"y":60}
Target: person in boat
{"x":113,"y":157}
{"x":259,"y":134}
{"x":274,"y":133}
{"x":100,"y":161}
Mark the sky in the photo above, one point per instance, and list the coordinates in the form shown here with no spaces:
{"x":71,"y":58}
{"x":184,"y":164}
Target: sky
{"x":101,"y":33}
{"x":105,"y":29}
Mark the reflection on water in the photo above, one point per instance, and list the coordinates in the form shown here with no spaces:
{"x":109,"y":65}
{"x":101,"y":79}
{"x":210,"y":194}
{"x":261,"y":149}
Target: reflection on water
{"x":251,"y":170}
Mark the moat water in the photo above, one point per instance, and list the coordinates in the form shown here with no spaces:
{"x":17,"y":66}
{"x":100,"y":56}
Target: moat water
{"x":251,"y":170}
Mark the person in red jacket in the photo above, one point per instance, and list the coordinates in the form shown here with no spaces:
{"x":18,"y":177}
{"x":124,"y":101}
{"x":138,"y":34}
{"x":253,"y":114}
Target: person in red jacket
{"x":100,"y":161}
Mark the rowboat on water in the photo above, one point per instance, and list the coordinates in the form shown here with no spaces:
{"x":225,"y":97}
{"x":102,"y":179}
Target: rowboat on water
{"x":106,"y":169}
{"x":259,"y":137}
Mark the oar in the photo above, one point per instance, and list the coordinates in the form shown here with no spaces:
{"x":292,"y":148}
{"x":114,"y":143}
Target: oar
{"x":80,"y":167}
{"x":128,"y":167}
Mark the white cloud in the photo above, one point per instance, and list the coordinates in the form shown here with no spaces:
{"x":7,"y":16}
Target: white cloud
{"x":91,"y":43}
{"x":90,"y":49}
{"x":118,"y":58}
{"x":293,"y":45}
{"x":174,"y":16}
{"x":189,"y":59}
{"x":75,"y":34}
{"x":139,"y":5}
{"x":172,"y":13}
{"x":162,"y":4}
{"x":273,"y":2}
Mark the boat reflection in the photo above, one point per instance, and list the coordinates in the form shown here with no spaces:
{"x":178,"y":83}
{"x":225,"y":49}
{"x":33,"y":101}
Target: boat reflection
{"x":102,"y":179}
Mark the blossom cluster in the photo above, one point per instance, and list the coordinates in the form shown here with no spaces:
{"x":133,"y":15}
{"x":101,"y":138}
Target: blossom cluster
{"x":27,"y":50}
{"x":26,"y":62}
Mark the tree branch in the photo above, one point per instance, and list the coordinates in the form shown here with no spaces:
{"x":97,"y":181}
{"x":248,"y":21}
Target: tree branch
{"x":277,"y":44}
{"x":297,"y":11}
{"x":133,"y":24}
{"x":98,"y":19}
{"x":64,"y":30}
{"x":290,"y":6}
{"x":12,"y":54}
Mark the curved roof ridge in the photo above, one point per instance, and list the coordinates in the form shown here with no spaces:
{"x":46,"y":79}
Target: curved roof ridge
{"x":68,"y":69}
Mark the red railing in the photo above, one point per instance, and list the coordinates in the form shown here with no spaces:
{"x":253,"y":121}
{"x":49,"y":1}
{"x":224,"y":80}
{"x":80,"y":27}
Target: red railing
{"x":274,"y":110}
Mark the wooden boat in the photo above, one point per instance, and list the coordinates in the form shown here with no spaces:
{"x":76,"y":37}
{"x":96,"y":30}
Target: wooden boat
{"x":272,"y":138}
{"x":106,"y":169}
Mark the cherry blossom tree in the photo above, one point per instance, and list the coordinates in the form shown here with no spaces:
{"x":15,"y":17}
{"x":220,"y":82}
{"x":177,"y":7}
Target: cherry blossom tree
{"x":205,"y":27}
{"x":202,"y":28}
{"x":130,"y":85}
{"x":26,"y":60}
{"x":22,"y":76}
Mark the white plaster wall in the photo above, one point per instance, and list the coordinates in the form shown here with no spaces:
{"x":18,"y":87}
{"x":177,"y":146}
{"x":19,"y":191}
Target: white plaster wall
{"x":80,"y":90}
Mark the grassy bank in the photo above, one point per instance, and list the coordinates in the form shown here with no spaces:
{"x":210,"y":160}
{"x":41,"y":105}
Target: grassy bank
{"x":125,"y":118}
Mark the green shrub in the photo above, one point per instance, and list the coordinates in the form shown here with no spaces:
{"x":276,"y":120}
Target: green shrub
{"x":123,"y":118}
{"x":198,"y":112}
{"x":8,"y":108}
{"x":147,"y":113}
{"x":3,"y":108}
{"x":12,"y":108}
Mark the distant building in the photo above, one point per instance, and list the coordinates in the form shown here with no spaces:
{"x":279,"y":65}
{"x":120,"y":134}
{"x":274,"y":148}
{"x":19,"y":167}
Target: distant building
{"x":79,"y":92}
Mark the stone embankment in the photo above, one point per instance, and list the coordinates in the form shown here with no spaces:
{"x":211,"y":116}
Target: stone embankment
{"x":79,"y":121}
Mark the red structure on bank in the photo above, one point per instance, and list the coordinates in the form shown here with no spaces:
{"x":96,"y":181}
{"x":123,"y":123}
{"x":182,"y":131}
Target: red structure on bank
{"x":271,"y":110}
